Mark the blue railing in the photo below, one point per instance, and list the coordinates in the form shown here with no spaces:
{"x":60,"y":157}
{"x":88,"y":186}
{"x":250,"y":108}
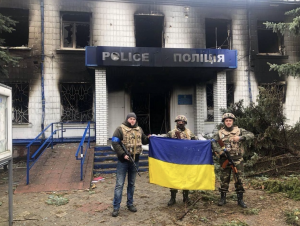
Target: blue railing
{"x":50,"y":140}
{"x":80,"y":148}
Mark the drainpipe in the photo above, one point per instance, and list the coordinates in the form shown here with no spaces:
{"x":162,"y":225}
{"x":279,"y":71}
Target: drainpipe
{"x":42,"y":67}
{"x":249,"y":51}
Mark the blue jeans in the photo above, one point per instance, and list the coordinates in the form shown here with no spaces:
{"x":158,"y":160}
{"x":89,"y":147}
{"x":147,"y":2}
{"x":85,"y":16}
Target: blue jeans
{"x":122,"y":169}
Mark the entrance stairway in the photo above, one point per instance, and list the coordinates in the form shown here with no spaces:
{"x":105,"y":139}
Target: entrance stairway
{"x":105,"y":161}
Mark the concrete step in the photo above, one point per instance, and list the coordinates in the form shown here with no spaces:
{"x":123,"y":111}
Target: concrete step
{"x":114,"y":158}
{"x":113,"y":170}
{"x":113,"y":164}
{"x":105,"y":160}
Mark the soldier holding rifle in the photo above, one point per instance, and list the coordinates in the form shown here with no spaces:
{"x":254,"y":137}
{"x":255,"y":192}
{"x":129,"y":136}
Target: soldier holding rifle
{"x":127,"y":142}
{"x":229,"y":138}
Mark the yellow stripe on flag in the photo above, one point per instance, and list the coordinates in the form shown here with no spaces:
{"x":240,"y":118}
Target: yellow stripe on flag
{"x":178,"y":176}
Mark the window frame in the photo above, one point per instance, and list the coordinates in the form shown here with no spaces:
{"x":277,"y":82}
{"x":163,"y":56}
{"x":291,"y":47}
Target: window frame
{"x":26,"y":12}
{"x":62,"y":22}
{"x":280,"y":39}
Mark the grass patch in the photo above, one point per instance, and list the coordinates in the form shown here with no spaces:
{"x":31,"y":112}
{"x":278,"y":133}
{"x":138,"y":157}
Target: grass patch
{"x":292,"y":217}
{"x":57,"y":200}
{"x":208,"y":196}
{"x":288,"y":185}
{"x":251,"y":211}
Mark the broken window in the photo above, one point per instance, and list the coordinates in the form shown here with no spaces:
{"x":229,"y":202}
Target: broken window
{"x":268,"y":41}
{"x":76,"y":101}
{"x":230,"y":94}
{"x":218,"y":34}
{"x":75,"y":30}
{"x":149,"y":30}
{"x":20,"y":100}
{"x":210,"y":102}
{"x":18,"y":37}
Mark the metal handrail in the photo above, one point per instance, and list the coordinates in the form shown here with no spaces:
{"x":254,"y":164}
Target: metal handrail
{"x":31,"y":160}
{"x":80,"y":148}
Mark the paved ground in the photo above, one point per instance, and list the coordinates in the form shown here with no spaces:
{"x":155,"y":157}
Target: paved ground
{"x":58,"y":170}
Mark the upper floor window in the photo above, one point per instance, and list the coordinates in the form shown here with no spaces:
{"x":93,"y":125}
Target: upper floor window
{"x":75,"y":30}
{"x":268,"y":41}
{"x":149,"y":30}
{"x":218,"y":34}
{"x":19,"y":37}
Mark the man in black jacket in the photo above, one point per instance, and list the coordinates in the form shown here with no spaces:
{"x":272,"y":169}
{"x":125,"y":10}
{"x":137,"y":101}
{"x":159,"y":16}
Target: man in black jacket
{"x":132,"y":136}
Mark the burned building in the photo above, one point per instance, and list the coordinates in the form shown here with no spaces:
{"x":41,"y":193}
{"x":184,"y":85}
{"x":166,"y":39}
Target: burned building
{"x":96,"y":60}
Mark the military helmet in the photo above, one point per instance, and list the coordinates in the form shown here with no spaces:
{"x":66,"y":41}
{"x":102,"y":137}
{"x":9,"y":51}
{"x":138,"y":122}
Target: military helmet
{"x":228,"y":115}
{"x":181,"y":118}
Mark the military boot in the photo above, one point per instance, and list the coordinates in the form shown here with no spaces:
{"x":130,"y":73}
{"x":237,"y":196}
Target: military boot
{"x":186,"y":196}
{"x":240,"y":200}
{"x":222,"y":199}
{"x":173,"y":198}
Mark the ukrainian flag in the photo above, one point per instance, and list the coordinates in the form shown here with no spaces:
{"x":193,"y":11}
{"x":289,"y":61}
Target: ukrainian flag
{"x":181,"y":164}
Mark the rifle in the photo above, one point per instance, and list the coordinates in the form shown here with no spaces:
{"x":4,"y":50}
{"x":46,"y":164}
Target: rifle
{"x":130,"y":158}
{"x":230,"y":162}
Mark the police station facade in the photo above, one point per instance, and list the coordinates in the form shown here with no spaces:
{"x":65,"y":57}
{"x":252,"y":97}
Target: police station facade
{"x":103,"y":60}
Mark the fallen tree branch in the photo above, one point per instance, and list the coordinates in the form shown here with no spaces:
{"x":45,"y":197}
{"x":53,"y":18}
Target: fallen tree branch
{"x":279,"y":167}
{"x":180,"y":218}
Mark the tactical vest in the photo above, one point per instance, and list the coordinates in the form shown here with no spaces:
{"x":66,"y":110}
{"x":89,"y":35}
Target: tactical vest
{"x":185,"y":135}
{"x":231,"y":146}
{"x":132,"y":139}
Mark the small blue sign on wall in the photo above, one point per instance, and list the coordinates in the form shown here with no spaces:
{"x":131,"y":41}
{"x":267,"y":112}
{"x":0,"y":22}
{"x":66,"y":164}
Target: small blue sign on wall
{"x":185,"y":99}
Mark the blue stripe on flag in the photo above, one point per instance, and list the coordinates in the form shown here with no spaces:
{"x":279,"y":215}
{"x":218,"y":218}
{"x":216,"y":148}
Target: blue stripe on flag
{"x":188,"y":152}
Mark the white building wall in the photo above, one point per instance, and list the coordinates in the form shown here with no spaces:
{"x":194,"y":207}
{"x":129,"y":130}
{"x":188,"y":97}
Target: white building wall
{"x":220,"y":97}
{"x":101,"y":107}
{"x":200,"y":108}
{"x":240,"y":43}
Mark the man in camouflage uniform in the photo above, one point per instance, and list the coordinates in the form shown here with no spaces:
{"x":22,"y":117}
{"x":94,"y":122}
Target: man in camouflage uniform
{"x":232,"y":136}
{"x":132,"y":136}
{"x":180,"y":132}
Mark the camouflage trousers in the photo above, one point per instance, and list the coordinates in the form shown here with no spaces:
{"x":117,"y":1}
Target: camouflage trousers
{"x":225,"y":175}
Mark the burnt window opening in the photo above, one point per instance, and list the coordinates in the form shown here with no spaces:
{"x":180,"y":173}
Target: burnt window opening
{"x":218,"y":34}
{"x":230,"y":94}
{"x":149,"y":30}
{"x":210,"y":102}
{"x":20,"y":100}
{"x":276,"y":89}
{"x":268,"y":41}
{"x":75,"y":30}
{"x":77,"y":102}
{"x":19,"y":37}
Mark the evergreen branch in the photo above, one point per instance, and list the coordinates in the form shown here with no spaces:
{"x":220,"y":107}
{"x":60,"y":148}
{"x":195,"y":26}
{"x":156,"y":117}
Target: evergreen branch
{"x":293,"y":12}
{"x":287,"y":69}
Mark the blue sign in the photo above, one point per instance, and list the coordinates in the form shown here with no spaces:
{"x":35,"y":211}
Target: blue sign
{"x":102,"y":56}
{"x":185,"y":99}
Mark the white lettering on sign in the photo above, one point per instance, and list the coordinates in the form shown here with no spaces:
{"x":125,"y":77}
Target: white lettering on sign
{"x":115,"y":56}
{"x":206,"y":58}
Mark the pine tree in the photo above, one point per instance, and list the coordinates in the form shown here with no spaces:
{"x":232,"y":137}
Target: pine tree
{"x":293,"y":27}
{"x":6,"y":25}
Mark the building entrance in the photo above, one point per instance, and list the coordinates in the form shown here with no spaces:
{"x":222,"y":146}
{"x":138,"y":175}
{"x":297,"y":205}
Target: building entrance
{"x":152,"y":110}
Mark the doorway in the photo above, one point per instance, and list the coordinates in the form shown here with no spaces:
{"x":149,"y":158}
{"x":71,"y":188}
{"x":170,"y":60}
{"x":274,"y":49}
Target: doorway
{"x":152,"y":110}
